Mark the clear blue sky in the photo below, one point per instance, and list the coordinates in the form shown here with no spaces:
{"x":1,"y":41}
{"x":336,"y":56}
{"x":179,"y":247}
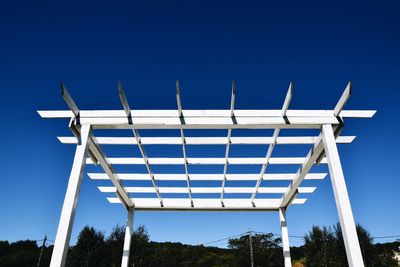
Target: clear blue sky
{"x":206,"y":44}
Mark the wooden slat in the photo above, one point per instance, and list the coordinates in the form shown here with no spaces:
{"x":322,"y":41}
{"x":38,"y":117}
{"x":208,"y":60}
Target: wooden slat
{"x":228,"y":142}
{"x":283,"y":140}
{"x":208,"y":177}
{"x":183,"y":142}
{"x":206,"y":161}
{"x":272,"y":145}
{"x":206,"y":204}
{"x":135,"y":132}
{"x":52,"y":114}
{"x":343,"y":100}
{"x":205,"y":190}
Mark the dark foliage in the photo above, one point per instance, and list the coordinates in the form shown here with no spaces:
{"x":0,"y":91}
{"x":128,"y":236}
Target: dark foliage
{"x":323,"y":247}
{"x":90,"y":250}
{"x":266,"y":250}
{"x":23,"y":253}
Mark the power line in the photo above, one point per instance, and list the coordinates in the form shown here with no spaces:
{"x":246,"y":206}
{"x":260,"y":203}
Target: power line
{"x":388,"y":236}
{"x":264,"y":233}
{"x":223,"y":239}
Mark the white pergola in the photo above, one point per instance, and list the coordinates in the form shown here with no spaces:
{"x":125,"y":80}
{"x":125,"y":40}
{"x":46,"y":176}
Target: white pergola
{"x":323,"y":150}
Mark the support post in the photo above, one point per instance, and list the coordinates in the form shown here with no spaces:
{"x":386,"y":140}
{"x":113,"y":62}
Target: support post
{"x":353,"y":251}
{"x":63,"y":236}
{"x":128,"y":239}
{"x":285,"y":238}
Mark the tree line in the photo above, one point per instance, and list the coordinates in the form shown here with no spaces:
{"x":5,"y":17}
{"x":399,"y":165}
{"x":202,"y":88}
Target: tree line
{"x":323,"y":246}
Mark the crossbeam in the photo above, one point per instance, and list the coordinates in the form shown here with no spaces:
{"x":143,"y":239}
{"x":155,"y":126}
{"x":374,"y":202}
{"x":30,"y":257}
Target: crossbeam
{"x":205,"y":161}
{"x":228,"y":143}
{"x":179,"y":103}
{"x":198,"y":113}
{"x":145,"y":159}
{"x":209,"y":177}
{"x":207,"y":204}
{"x":206,"y":140}
{"x":206,"y":190}
{"x":271,"y":147}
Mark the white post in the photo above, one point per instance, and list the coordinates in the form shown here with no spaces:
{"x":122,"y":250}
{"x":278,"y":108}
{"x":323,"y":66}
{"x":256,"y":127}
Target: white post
{"x":128,"y":239}
{"x":353,"y":251}
{"x":63,"y":236}
{"x":285,"y":238}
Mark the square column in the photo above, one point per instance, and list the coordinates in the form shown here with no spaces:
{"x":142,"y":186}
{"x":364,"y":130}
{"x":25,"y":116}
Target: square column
{"x":63,"y":236}
{"x":353,"y":251}
{"x":285,"y":238}
{"x":128,"y":239}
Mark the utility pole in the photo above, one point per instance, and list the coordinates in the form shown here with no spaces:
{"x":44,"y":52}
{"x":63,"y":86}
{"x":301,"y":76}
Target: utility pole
{"x":41,"y":250}
{"x":251,"y":249}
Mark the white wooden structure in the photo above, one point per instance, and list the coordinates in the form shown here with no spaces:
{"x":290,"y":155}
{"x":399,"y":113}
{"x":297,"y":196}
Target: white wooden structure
{"x":323,"y":150}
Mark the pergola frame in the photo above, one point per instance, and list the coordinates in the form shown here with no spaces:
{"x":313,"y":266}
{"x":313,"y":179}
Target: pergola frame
{"x":323,"y":150}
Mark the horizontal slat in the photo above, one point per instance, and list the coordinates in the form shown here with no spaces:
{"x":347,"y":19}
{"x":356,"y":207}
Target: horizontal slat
{"x":205,"y":140}
{"x":208,"y":177}
{"x":205,"y":113}
{"x":209,"y":122}
{"x":205,"y":190}
{"x":206,"y":204}
{"x":207,"y":161}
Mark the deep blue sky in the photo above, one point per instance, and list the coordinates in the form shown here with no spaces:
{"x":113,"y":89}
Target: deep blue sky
{"x":206,"y":44}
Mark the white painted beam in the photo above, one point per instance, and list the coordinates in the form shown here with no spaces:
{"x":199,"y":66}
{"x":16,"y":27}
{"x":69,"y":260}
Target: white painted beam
{"x":308,"y":162}
{"x":128,"y":111}
{"x":228,"y":141}
{"x":353,"y":251}
{"x":253,"y":113}
{"x":343,"y":100}
{"x":207,"y":204}
{"x":206,"y":190}
{"x":285,"y":238}
{"x":70,"y":102}
{"x":206,"y":161}
{"x":272,"y":145}
{"x":256,"y":140}
{"x":209,"y":177}
{"x":66,"y":222}
{"x":128,"y":239}
{"x":179,"y":103}
{"x":211,"y":123}
{"x":109,"y":170}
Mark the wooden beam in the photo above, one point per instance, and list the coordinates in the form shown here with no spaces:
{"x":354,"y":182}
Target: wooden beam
{"x":206,"y":161}
{"x":207,"y":204}
{"x":256,"y":140}
{"x":179,"y":103}
{"x":173,"y":113}
{"x":228,"y":143}
{"x":272,"y":145}
{"x":208,"y":177}
{"x":343,"y":100}
{"x":206,"y":190}
{"x":127,"y":110}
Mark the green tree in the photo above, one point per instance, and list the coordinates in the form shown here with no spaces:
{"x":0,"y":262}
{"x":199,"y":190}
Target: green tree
{"x":114,"y":244}
{"x":370,"y":253}
{"x":140,"y":252}
{"x":90,"y":249}
{"x":266,"y":250}
{"x":319,"y":247}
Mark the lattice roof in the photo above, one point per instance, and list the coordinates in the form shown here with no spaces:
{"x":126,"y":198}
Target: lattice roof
{"x":152,"y":190}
